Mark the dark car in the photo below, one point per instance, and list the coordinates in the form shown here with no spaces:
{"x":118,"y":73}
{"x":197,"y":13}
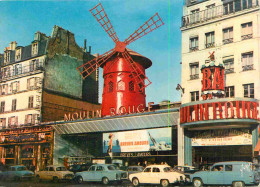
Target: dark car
{"x":186,"y":169}
{"x":134,"y":169}
{"x":80,"y":167}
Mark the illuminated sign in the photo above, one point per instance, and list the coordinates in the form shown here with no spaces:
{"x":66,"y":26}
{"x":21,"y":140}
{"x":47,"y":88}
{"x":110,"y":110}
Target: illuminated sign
{"x":82,"y":115}
{"x":127,"y":110}
{"x":219,"y":110}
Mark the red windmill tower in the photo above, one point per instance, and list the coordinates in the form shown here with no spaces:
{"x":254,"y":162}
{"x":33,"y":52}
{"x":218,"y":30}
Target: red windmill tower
{"x":123,"y":69}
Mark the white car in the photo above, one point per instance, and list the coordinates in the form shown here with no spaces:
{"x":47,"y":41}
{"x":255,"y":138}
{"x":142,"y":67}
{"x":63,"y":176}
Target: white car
{"x":157,"y":174}
{"x":54,"y":173}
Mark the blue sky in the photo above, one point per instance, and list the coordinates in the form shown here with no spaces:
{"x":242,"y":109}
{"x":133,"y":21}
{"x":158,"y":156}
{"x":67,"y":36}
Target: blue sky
{"x":20,"y":20}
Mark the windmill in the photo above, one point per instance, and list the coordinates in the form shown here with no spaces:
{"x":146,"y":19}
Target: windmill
{"x":124,"y":78}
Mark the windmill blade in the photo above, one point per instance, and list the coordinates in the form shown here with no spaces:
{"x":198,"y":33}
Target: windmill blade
{"x":137,"y":73}
{"x":99,"y":13}
{"x":153,"y":23}
{"x":89,"y":67}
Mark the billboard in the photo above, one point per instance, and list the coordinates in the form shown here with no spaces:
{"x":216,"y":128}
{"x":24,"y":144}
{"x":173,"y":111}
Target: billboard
{"x":159,"y":139}
{"x":222,"y":137}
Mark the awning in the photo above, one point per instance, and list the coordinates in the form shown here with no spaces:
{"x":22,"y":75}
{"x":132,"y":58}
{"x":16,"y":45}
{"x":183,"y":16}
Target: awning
{"x":142,"y":121}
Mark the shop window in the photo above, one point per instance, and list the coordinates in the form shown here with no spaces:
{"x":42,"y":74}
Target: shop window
{"x":229,"y":65}
{"x":121,"y":86}
{"x":2,"y":109}
{"x":247,"y":61}
{"x":195,"y":96}
{"x":249,"y":90}
{"x":46,"y":151}
{"x":210,"y":39}
{"x":30,"y":102}
{"x":247,"y":31}
{"x":228,"y":35}
{"x":147,"y":169}
{"x":90,"y":114}
{"x":9,"y":152}
{"x":110,"y":86}
{"x":194,"y":43}
{"x":14,"y":101}
{"x":228,"y":167}
{"x":34,"y":49}
{"x":131,"y":86}
{"x":27,"y":151}
{"x":230,"y":91}
{"x":194,"y":71}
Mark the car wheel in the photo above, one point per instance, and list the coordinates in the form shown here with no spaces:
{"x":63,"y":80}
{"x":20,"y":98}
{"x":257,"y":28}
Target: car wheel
{"x":79,"y":180}
{"x":238,"y":184}
{"x":197,"y":183}
{"x":105,"y":180}
{"x":55,"y":179}
{"x":135,"y":181}
{"x":164,"y":182}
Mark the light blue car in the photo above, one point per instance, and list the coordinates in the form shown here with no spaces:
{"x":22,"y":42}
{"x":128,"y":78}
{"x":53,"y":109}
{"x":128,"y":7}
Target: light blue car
{"x":16,"y":173}
{"x":104,"y":173}
{"x":237,"y":174}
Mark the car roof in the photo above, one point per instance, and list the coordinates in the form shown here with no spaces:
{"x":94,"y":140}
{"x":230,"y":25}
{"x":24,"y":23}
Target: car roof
{"x":55,"y":166}
{"x":233,"y":162}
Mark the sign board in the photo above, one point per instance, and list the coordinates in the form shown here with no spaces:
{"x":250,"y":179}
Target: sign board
{"x":222,"y":137}
{"x":159,"y":139}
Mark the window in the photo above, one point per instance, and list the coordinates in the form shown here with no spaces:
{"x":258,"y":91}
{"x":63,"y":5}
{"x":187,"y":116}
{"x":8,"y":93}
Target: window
{"x":92,"y":168}
{"x":15,"y":87}
{"x":194,"y":46}
{"x":249,"y":90}
{"x":100,"y":168}
{"x":229,"y":91}
{"x":156,"y":170}
{"x":34,"y":65}
{"x":210,"y":39}
{"x":34,"y":48}
{"x":228,"y":167}
{"x":30,"y":102}
{"x":210,"y":11}
{"x":5,"y":89}
{"x":29,"y":119}
{"x":7,"y":56}
{"x":247,"y":4}
{"x":2,"y":109}
{"x":229,"y":65}
{"x":247,"y":31}
{"x":195,"y":96}
{"x":228,"y":8}
{"x":13,"y":121}
{"x":18,"y":54}
{"x":195,"y":16}
{"x":51,"y":169}
{"x":217,"y":168}
{"x":110,"y":86}
{"x":3,"y":123}
{"x":17,"y":69}
{"x":237,"y":5}
{"x":131,"y":86}
{"x":31,"y":83}
{"x":6,"y":72}
{"x":247,"y":61}
{"x":14,"y":104}
{"x":121,"y":86}
{"x":194,"y":71}
{"x":147,"y":169}
{"x":228,"y":35}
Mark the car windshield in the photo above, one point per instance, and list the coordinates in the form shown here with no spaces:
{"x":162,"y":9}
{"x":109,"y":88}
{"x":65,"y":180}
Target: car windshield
{"x":112,"y":167}
{"x":167,"y":169}
{"x":61,"y":169}
{"x":21,"y":168}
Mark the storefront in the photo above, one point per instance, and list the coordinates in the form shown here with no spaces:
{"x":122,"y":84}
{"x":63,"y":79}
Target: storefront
{"x":143,"y":138}
{"x":30,"y":146}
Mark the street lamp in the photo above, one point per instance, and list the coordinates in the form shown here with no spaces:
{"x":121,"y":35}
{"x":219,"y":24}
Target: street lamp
{"x":180,"y":88}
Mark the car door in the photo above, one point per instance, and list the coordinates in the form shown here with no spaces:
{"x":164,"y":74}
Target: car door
{"x":90,"y":175}
{"x":230,"y":174}
{"x":99,"y":174}
{"x":51,"y":172}
{"x":44,"y":173}
{"x":155,"y":175}
{"x":145,"y":176}
{"x":215,"y":175}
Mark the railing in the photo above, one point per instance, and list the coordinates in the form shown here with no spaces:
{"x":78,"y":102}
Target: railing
{"x":195,"y":76}
{"x":227,"y":41}
{"x":215,"y":12}
{"x":247,"y":36}
{"x":230,"y":70}
{"x":248,"y":67}
{"x":194,"y":48}
{"x":7,"y":73}
{"x":208,"y":45}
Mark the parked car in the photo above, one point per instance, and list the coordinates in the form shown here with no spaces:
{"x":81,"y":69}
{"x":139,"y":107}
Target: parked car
{"x":186,"y":169}
{"x":157,"y":174}
{"x":134,"y":169}
{"x":234,"y":173}
{"x":79,"y":167}
{"x":104,"y":173}
{"x":55,"y":173}
{"x":17,"y":172}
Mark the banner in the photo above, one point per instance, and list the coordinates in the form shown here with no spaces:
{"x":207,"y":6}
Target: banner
{"x":222,"y":137}
{"x":159,"y":139}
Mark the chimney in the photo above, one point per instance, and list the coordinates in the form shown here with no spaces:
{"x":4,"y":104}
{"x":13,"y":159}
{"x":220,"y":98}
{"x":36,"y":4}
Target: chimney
{"x":89,"y":50}
{"x":12,"y":45}
{"x":85,"y":45}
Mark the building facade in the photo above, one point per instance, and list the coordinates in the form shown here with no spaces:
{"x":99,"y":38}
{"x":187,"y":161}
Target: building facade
{"x":40,"y":83}
{"x":220,"y":33}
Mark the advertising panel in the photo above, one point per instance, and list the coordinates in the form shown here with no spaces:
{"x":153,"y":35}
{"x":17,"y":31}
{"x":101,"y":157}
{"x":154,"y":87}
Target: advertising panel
{"x":159,"y":139}
{"x":222,"y":137}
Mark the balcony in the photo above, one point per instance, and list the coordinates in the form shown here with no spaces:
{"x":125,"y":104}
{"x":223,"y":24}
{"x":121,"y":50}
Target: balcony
{"x":193,"y":77}
{"x":248,"y":67}
{"x":209,"y":45}
{"x":194,"y":48}
{"x":215,"y":12}
{"x":230,"y":70}
{"x":248,"y":36}
{"x":7,"y":74}
{"x":227,"y":41}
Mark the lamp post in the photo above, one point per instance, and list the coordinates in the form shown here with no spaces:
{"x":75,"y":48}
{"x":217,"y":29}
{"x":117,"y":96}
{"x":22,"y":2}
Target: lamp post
{"x":180,"y":88}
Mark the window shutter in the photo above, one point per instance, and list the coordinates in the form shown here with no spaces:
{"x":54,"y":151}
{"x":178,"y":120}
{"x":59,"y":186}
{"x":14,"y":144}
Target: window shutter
{"x":18,"y":86}
{"x":16,"y":120}
{"x":26,"y":119}
{"x":33,"y":118}
{"x":28,"y":82}
{"x":3,"y":122}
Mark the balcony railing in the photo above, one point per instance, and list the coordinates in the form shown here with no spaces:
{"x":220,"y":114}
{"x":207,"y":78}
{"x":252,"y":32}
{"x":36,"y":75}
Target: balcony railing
{"x":208,"y":45}
{"x":193,"y":77}
{"x":227,"y":41}
{"x":215,"y":12}
{"x":247,"y":36}
{"x":248,"y":67}
{"x":194,"y":48}
{"x":230,"y":70}
{"x":11,"y":73}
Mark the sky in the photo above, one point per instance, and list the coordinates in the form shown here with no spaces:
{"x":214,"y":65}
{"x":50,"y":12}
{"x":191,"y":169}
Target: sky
{"x":19,"y":20}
